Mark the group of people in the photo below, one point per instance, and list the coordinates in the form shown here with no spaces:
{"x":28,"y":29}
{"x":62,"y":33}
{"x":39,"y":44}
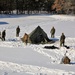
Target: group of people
{"x":62,"y":37}
{"x":25,"y":37}
{"x":3,"y":35}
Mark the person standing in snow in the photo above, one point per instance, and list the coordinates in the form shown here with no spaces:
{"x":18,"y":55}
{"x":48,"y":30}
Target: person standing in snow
{"x":52,"y":32}
{"x":3,"y":35}
{"x":0,"y":35}
{"x":62,"y":39}
{"x":17,"y":31}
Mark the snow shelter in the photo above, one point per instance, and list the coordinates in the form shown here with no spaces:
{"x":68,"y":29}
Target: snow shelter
{"x":39,"y":36}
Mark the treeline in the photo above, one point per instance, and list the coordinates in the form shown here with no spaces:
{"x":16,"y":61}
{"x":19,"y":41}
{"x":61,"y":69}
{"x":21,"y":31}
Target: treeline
{"x":36,"y":6}
{"x":25,"y":6}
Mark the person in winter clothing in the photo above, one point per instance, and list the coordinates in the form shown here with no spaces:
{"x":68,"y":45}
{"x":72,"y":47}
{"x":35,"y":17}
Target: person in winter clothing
{"x":62,"y":39}
{"x":52,"y":32}
{"x":0,"y":35}
{"x":17,"y":31}
{"x":3,"y":35}
{"x":25,"y":38}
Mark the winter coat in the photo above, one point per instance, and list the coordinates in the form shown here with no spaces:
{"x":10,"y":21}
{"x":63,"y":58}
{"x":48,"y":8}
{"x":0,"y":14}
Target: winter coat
{"x":65,"y":60}
{"x":25,"y":37}
{"x":18,"y":30}
{"x":0,"y":34}
{"x":3,"y":34}
{"x":62,"y":38}
{"x":52,"y":31}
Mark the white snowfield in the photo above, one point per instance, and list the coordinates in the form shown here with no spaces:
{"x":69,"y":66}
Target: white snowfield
{"x":18,"y":59}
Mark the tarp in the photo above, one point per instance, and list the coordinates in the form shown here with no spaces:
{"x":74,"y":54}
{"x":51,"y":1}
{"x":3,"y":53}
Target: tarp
{"x":38,"y":36}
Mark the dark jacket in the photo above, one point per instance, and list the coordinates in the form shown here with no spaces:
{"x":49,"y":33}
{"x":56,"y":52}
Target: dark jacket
{"x":3,"y":34}
{"x":52,"y":30}
{"x":18,"y":30}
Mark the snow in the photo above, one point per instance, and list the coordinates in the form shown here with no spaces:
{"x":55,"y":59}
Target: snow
{"x":16,"y":58}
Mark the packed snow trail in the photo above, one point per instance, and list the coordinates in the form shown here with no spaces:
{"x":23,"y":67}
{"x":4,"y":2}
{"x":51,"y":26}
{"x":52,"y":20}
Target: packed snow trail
{"x":13,"y":68}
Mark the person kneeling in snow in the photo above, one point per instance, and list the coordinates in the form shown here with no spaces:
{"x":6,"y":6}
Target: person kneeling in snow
{"x":25,"y":38}
{"x":65,"y":60}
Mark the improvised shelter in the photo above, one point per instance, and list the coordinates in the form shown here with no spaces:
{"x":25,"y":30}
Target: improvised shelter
{"x":65,"y":60}
{"x":38,"y":36}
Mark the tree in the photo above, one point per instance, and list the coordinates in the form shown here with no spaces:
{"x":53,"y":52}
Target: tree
{"x":64,"y":6}
{"x":69,"y":6}
{"x":48,"y":5}
{"x":58,"y":5}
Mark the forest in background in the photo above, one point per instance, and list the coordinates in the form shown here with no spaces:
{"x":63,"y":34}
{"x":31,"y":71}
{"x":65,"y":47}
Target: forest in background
{"x":37,"y":6}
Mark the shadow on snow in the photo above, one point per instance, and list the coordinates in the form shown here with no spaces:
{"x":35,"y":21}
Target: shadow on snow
{"x":2,"y":23}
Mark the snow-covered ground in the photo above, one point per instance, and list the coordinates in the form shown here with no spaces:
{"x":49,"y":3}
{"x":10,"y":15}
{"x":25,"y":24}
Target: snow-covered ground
{"x":18,"y":59}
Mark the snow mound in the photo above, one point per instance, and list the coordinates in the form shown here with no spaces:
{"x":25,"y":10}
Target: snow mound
{"x":13,"y":68}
